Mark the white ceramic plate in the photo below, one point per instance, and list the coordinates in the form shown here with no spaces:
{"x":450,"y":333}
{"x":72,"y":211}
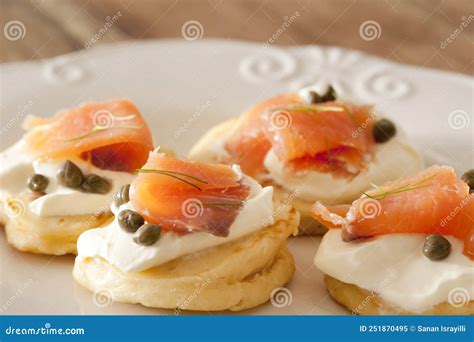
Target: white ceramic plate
{"x":183,"y":88}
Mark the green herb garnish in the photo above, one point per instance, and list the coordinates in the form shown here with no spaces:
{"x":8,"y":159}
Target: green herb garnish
{"x":222,"y":203}
{"x":215,"y":204}
{"x":173,"y":172}
{"x":407,"y":187}
{"x":88,"y":134}
{"x":314,"y":108}
{"x":319,"y":108}
{"x":99,"y":129}
{"x":175,"y":175}
{"x":123,"y":118}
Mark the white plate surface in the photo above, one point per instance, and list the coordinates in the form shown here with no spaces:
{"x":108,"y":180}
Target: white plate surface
{"x":183,"y":88}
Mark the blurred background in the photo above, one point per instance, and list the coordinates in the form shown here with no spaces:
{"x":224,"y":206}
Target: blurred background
{"x":431,"y":33}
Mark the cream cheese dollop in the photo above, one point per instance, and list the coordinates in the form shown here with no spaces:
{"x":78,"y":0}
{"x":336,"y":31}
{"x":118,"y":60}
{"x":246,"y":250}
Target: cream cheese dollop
{"x":60,"y":200}
{"x":393,"y":160}
{"x":394,"y":267}
{"x":16,"y":166}
{"x":117,"y":247}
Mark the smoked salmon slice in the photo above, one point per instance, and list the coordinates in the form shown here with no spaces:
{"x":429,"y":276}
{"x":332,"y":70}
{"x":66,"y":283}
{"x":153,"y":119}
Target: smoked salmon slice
{"x":434,"y":201}
{"x":325,"y":136}
{"x":113,"y":135}
{"x":185,"y":196}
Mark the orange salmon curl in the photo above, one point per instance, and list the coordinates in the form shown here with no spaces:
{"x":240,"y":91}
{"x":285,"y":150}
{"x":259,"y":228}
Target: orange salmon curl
{"x":324,"y":136}
{"x":112,"y":135}
{"x":184,"y":196}
{"x":435,"y":201}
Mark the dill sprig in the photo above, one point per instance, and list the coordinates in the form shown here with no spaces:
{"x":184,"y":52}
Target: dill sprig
{"x":124,"y":117}
{"x":239,"y":203}
{"x":314,"y":108}
{"x":98,"y":129}
{"x":407,"y":187}
{"x":319,"y":108}
{"x":175,"y":175}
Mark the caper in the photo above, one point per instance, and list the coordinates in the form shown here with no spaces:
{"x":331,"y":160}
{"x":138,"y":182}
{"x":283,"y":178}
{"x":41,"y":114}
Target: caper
{"x":96,"y":184}
{"x":121,"y":196}
{"x":329,"y":95}
{"x":70,"y":175}
{"x":130,"y":220}
{"x":468,"y":177}
{"x":384,"y":130}
{"x":312,"y":97}
{"x":147,"y":234}
{"x":38,"y":183}
{"x":436,"y":247}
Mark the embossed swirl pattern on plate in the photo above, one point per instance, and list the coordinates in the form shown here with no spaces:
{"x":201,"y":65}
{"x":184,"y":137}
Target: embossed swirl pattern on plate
{"x":62,"y":70}
{"x":269,"y":64}
{"x":351,"y":74}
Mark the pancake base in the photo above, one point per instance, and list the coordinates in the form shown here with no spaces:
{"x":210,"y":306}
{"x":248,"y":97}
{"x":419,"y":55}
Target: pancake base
{"x":362,"y":302}
{"x":308,"y":225}
{"x":234,"y":276}
{"x":54,"y":235}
